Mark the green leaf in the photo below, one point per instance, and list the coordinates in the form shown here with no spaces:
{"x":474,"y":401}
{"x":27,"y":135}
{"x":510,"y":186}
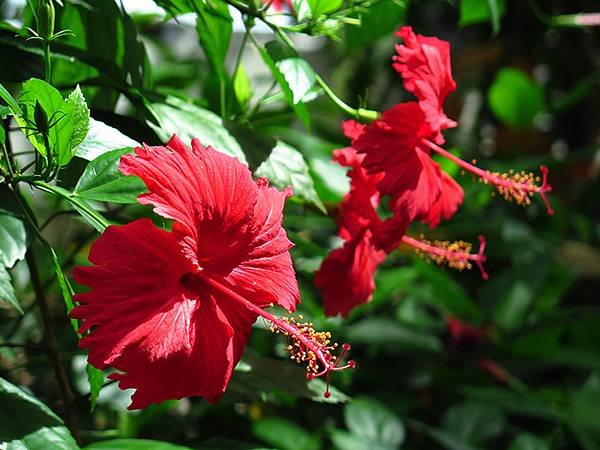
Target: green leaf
{"x":299,"y":108}
{"x":103,"y":181}
{"x":474,"y":422}
{"x":284,"y":435}
{"x":299,"y":75}
{"x":65,"y":287}
{"x":189,"y":121}
{"x":511,"y":310}
{"x":387,"y":332}
{"x":67,"y":120}
{"x":95,"y":379}
{"x":528,"y":441}
{"x":242,"y":87}
{"x":318,"y":386}
{"x":13,"y":238}
{"x":445,"y":292}
{"x":510,"y":401}
{"x":256,"y":377}
{"x":379,"y":20}
{"x":10,"y":101}
{"x":7,"y":292}
{"x":285,"y":166}
{"x":348,"y":441}
{"x":102,"y":138}
{"x":477,"y":11}
{"x":26,"y":423}
{"x":514,"y":98}
{"x":320,"y":7}
{"x":214,"y":26}
{"x":178,"y":7}
{"x":52,"y":103}
{"x":81,"y":117}
{"x":133,"y":444}
{"x":374,"y":422}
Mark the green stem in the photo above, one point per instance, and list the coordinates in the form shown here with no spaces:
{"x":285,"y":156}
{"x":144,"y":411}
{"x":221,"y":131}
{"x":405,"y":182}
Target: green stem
{"x":54,"y":353}
{"x":359,"y":113}
{"x":222,"y":97}
{"x":47,"y":63}
{"x":6,"y":156}
{"x":97,"y":217}
{"x":238,"y":60}
{"x":5,"y":151}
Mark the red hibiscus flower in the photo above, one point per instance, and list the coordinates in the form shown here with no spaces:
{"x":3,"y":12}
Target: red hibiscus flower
{"x":399,"y":143}
{"x":346,"y":276}
{"x":172,"y":310}
{"x":394,"y":145}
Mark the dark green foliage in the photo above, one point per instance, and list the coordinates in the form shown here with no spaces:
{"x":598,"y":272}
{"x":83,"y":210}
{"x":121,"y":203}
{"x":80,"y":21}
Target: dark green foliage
{"x":528,"y":375}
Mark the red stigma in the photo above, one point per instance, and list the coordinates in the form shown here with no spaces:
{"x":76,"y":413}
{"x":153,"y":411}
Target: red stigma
{"x":456,"y":255}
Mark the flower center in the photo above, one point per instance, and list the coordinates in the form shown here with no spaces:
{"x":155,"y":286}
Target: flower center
{"x":305,"y":344}
{"x":192,"y":283}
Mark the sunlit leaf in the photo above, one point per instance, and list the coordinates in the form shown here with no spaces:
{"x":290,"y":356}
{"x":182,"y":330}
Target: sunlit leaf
{"x":242,"y":87}
{"x":102,"y":138}
{"x":103,"y":181}
{"x":271,"y":63}
{"x":95,"y":380}
{"x":286,"y":167}
{"x":214,"y":27}
{"x":65,"y":122}
{"x":7,"y":292}
{"x":81,"y":117}
{"x":320,"y":7}
{"x":13,"y":238}
{"x":26,"y":423}
{"x":189,"y":121}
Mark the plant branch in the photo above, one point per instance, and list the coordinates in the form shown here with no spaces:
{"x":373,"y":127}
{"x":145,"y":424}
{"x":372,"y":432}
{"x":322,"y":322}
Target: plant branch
{"x":59,"y":370}
{"x":359,"y":113}
{"x":96,"y":216}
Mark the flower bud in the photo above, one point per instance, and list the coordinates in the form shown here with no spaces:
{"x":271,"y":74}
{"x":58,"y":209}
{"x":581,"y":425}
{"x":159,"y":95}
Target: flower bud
{"x":45,"y":19}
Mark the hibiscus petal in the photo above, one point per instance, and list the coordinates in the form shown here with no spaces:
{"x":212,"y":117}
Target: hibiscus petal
{"x":135,"y":294}
{"x":203,"y":371}
{"x":210,"y":195}
{"x":266,"y":274}
{"x":358,"y":209}
{"x":352,"y":129}
{"x":415,"y":201}
{"x":424,"y":63}
{"x":346,"y":276}
{"x":389,"y":145}
{"x":448,"y":202}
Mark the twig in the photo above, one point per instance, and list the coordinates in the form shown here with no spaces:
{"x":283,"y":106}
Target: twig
{"x":59,"y":370}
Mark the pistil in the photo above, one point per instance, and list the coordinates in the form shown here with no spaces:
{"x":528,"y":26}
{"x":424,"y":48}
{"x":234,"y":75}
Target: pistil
{"x":518,"y":187}
{"x":456,"y":255}
{"x":306,"y":345}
